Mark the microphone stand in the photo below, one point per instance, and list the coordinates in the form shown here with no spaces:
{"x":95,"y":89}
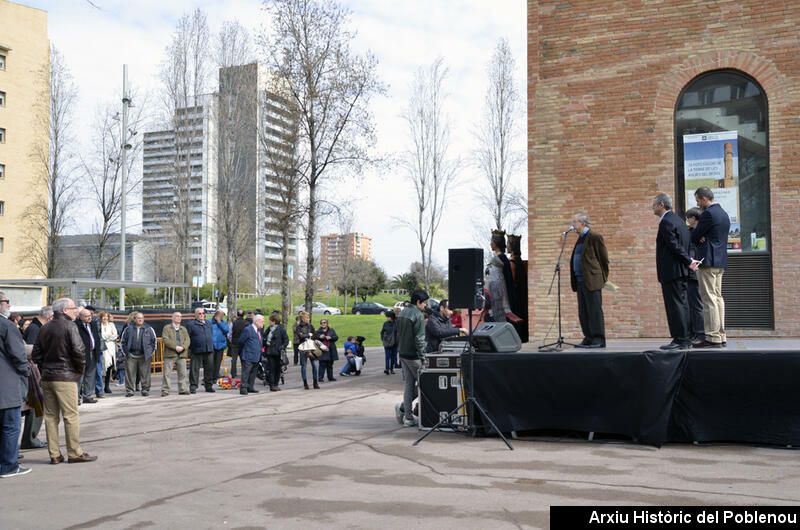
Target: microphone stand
{"x":556,"y":346}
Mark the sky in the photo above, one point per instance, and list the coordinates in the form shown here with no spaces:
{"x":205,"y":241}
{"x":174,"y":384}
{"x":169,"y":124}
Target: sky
{"x":98,"y":37}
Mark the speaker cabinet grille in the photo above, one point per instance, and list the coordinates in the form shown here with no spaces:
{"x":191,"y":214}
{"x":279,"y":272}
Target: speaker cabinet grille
{"x":747,"y":290}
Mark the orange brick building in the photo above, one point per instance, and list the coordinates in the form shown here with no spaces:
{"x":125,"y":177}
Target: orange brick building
{"x":615,"y":92}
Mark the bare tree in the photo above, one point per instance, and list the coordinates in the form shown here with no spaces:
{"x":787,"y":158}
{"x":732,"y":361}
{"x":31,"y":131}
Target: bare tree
{"x":184,"y":73}
{"x":428,"y":164}
{"x":283,"y":181}
{"x":495,"y":134}
{"x":103,"y":169}
{"x":309,"y":48}
{"x":236,"y":147}
{"x":48,"y":217}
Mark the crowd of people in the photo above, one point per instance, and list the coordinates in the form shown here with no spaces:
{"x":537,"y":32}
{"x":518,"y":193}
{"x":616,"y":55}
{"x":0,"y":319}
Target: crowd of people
{"x":69,"y":355}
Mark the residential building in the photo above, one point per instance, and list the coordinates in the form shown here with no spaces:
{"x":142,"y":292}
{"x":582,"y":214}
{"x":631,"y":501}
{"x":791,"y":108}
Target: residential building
{"x":179,"y":183}
{"x":226,"y":156}
{"x":24,"y":93}
{"x":336,"y":248}
{"x":622,"y":105}
{"x":253,"y":142}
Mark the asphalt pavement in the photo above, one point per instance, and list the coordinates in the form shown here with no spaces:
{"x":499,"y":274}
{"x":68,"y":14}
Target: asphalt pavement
{"x":337,"y":457}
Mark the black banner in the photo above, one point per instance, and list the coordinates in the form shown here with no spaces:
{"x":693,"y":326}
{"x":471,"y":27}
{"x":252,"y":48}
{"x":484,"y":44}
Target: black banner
{"x":574,"y":517}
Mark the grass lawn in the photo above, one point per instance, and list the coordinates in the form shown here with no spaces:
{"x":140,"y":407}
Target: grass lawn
{"x":368,"y":326}
{"x":269,"y":303}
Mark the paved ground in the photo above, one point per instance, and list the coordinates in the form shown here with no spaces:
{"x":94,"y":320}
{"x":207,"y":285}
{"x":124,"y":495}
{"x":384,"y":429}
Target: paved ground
{"x":337,"y":457}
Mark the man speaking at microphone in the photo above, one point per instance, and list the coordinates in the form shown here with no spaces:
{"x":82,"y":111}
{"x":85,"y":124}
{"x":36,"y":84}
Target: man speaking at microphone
{"x":588,"y":272}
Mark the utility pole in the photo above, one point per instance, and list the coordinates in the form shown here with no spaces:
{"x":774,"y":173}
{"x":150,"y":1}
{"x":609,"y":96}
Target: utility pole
{"x":123,"y":155}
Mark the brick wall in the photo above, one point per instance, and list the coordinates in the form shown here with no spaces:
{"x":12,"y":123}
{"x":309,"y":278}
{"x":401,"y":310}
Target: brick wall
{"x":603,"y":81}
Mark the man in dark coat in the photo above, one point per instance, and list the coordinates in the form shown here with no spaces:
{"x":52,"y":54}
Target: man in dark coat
{"x":138,"y":342}
{"x":439,"y":327}
{"x":696,"y":330}
{"x":588,"y":273}
{"x":92,"y":345}
{"x":236,"y":331}
{"x":250,"y":343}
{"x":201,"y":351}
{"x":59,"y":354}
{"x":672,"y":267}
{"x":711,"y":237}
{"x":14,"y":372}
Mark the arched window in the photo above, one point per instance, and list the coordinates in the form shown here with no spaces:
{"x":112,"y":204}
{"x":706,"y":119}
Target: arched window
{"x":722,"y":141}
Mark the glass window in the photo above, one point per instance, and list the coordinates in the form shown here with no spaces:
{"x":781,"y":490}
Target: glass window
{"x":2,"y":207}
{"x":722,"y":141}
{"x":1,"y":244}
{"x":2,"y":171}
{"x":2,"y":135}
{"x":2,"y":62}
{"x":2,"y":99}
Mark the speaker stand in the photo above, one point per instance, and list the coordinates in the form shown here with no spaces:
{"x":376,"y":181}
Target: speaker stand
{"x":556,"y":346}
{"x":471,"y":399}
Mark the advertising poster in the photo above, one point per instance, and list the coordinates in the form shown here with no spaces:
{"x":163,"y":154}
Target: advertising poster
{"x":712,"y":159}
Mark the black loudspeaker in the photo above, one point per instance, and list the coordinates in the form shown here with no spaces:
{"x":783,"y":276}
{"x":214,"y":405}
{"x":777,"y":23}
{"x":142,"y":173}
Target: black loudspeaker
{"x":496,"y":337}
{"x":465,"y":278}
{"x":440,"y":392}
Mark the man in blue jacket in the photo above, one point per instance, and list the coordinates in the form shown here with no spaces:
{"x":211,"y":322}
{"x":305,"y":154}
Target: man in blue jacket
{"x":251,"y":342}
{"x":711,"y":237}
{"x":220,"y":333}
{"x":201,"y":351}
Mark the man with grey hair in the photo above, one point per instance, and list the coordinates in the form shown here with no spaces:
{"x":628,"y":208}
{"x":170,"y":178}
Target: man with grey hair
{"x":45,"y":315}
{"x":138,"y":343}
{"x":588,"y":272}
{"x":59,"y":354}
{"x":176,"y":351}
{"x":92,"y":345}
{"x":14,"y":372}
{"x":672,"y":268}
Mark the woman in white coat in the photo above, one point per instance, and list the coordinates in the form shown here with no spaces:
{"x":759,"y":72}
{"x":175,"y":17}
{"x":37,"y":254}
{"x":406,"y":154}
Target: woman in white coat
{"x":108,"y":333}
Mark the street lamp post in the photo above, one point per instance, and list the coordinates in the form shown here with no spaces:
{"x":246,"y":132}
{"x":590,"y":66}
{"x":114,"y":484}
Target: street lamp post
{"x":123,"y":156}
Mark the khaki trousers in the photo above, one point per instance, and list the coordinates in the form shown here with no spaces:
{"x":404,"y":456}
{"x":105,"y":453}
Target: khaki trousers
{"x":183,"y":374}
{"x":61,"y":399}
{"x":710,"y":280}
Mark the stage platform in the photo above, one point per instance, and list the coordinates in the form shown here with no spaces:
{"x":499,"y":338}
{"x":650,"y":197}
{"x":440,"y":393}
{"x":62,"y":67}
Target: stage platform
{"x":649,"y":396}
{"x":653,"y":344}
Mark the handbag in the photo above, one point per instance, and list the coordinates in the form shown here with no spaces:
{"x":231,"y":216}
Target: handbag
{"x":284,"y":358}
{"x":359,"y":363}
{"x":310,"y":349}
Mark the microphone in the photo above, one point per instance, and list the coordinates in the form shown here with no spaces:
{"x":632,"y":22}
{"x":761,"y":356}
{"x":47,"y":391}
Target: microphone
{"x":570,"y":229}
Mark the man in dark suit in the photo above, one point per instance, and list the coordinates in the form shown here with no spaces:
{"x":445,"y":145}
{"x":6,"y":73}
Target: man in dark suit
{"x":672,"y":267}
{"x":711,"y":237}
{"x":588,"y":272}
{"x":251,"y":342}
{"x":92,"y":344}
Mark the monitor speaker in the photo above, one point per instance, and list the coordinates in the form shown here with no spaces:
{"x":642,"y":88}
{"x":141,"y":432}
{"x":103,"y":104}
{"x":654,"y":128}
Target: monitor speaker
{"x":496,"y":337}
{"x":465,"y":278}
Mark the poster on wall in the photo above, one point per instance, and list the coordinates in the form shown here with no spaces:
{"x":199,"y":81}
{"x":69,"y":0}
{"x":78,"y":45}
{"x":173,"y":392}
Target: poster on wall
{"x":712,"y":160}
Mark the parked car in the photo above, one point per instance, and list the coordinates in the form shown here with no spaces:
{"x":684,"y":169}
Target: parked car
{"x":209,"y":307}
{"x":318,"y":308}
{"x":368,"y":308}
{"x":400,"y":305}
{"x":433,"y":303}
